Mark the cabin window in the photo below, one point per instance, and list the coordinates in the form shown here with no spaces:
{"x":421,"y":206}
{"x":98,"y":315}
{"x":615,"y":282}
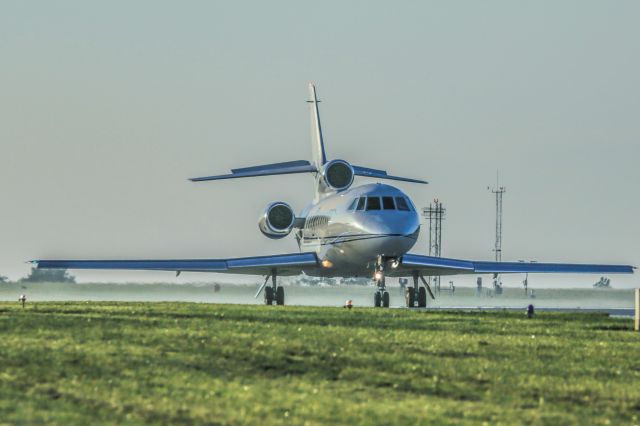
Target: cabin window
{"x":387,"y":203}
{"x":361,"y":202}
{"x":353,"y":205}
{"x":401,"y":202}
{"x":373,"y":203}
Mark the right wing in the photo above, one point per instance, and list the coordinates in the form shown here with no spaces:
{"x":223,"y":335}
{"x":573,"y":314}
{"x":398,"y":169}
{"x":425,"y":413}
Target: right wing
{"x":283,"y":264}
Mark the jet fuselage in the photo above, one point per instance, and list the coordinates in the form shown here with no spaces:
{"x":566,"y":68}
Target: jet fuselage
{"x":350,"y":229}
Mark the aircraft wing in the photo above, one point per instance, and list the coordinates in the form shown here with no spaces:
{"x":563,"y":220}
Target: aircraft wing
{"x":285,"y":264}
{"x":434,"y":266}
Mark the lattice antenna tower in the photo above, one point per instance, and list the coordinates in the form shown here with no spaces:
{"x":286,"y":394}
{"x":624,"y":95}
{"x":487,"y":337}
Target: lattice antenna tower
{"x":498,"y":191}
{"x":497,"y":248}
{"x":435,"y":214}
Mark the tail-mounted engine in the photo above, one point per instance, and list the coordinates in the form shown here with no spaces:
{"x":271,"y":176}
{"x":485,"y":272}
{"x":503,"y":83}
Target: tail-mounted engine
{"x":336,"y":175}
{"x":277,"y":220}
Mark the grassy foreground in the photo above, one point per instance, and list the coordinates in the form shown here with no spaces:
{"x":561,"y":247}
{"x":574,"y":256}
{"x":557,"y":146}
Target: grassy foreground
{"x":181,"y":363}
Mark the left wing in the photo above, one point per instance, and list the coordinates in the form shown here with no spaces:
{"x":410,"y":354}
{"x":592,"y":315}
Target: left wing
{"x":284,"y":264}
{"x":434,"y":266}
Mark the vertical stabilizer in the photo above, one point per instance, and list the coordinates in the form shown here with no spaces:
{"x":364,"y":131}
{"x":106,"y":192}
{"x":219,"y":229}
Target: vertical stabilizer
{"x":319,"y":157}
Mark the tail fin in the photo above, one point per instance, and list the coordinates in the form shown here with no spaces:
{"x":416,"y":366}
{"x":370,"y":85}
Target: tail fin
{"x":319,"y":157}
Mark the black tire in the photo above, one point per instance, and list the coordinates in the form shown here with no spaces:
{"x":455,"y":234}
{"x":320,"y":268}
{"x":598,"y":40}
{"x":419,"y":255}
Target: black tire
{"x":385,"y":299}
{"x":280,"y":296}
{"x":422,"y":297}
{"x":377,"y":299}
{"x":268,"y":296}
{"x":409,"y":295}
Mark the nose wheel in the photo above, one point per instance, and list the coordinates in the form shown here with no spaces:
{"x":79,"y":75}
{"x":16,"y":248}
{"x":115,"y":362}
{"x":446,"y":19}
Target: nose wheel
{"x":381,"y":299}
{"x":381,"y":296}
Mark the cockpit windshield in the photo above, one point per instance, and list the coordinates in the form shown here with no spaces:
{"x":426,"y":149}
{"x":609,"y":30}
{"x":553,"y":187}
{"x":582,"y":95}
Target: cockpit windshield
{"x":381,"y":203}
{"x":402,"y":204}
{"x":373,"y":203}
{"x":387,"y":203}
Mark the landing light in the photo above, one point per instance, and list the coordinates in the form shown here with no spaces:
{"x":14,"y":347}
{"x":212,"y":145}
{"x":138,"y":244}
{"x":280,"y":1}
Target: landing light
{"x":327,"y":263}
{"x":378,"y":276}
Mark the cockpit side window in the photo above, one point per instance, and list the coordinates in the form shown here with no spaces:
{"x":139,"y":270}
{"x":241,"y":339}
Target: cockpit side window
{"x":402,"y":204}
{"x":353,"y":204}
{"x":361,"y":202}
{"x":387,"y":203}
{"x":373,"y":203}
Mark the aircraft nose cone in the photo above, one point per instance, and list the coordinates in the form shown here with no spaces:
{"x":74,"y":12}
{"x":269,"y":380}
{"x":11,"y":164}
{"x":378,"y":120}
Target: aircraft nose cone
{"x":393,"y":237}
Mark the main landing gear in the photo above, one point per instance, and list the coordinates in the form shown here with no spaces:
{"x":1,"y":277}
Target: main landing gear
{"x":416,"y":294}
{"x":274,"y":293}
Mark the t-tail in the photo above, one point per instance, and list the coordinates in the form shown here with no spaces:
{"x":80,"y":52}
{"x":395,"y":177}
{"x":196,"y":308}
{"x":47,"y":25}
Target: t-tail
{"x":317,"y":148}
{"x":332,"y":176}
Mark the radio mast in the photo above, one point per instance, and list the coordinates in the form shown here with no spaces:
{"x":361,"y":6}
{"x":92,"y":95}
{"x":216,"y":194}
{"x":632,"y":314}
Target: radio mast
{"x":498,"y":191}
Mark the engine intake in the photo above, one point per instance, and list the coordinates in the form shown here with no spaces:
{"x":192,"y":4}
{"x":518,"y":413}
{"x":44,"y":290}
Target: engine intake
{"x":277,"y":220}
{"x":337,"y":175}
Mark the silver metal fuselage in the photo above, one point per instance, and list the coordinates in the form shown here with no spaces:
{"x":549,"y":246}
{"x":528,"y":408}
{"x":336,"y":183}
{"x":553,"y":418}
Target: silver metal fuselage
{"x":348,"y":242}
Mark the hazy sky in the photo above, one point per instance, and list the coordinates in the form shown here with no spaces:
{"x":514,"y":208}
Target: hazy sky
{"x":108,"y":107}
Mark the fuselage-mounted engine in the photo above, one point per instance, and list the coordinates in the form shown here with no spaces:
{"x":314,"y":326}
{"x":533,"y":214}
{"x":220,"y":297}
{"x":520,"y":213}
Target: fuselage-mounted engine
{"x":277,"y":220}
{"x":336,"y":176}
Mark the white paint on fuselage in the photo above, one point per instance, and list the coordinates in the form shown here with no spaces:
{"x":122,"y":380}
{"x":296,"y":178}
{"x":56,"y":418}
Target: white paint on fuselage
{"x":352,"y":240}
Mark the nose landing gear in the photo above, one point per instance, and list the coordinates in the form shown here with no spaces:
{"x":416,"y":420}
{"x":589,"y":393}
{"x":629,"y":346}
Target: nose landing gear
{"x":381,"y":296}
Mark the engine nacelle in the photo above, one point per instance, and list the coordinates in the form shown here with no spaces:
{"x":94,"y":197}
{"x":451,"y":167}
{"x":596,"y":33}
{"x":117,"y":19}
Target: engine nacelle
{"x":336,"y":175}
{"x":277,"y":220}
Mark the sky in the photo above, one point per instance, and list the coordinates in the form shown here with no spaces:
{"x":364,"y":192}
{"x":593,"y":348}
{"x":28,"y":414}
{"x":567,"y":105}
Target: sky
{"x":108,"y":107}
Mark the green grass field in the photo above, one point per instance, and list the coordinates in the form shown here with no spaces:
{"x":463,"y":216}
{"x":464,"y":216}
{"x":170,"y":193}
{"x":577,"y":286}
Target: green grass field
{"x":181,"y":363}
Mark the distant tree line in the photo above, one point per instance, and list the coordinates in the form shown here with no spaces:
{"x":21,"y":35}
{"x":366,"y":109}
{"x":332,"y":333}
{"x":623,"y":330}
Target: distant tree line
{"x":44,"y":276}
{"x":313,"y":281}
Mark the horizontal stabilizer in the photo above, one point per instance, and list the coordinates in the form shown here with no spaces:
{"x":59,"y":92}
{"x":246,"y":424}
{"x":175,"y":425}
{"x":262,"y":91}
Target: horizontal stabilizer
{"x":381,"y":174}
{"x":288,"y":167}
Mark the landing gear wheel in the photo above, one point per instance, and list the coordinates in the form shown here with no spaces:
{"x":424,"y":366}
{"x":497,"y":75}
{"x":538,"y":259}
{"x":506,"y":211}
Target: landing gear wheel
{"x":280,"y":296}
{"x":377,"y":299}
{"x":268,"y":296}
{"x":422,"y":297}
{"x":385,"y":299}
{"x":409,"y":297}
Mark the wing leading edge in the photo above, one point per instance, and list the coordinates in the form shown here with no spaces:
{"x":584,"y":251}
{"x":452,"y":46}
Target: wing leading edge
{"x":428,"y":265}
{"x":285,"y":264}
